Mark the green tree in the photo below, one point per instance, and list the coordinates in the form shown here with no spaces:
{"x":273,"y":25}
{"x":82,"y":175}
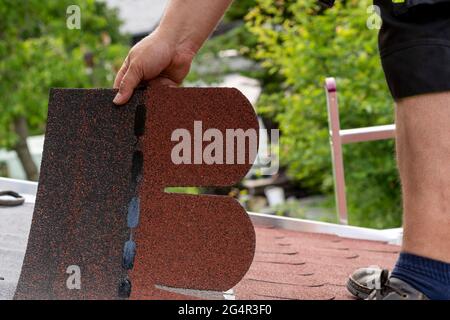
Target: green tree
{"x":301,"y":44}
{"x":239,"y":9}
{"x":38,"y":51}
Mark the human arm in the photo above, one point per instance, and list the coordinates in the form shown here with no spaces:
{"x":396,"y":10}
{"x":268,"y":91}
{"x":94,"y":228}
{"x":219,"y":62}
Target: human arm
{"x":167,"y":53}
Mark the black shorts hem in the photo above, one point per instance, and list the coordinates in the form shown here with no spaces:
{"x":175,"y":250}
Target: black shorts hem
{"x":417,"y":67}
{"x":384,"y":52}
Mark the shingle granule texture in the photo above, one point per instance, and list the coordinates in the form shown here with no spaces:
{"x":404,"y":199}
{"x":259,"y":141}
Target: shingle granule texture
{"x":84,"y":187}
{"x":191,"y":241}
{"x":292,"y":265}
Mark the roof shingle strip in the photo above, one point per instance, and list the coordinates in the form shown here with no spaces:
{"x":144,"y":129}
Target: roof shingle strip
{"x":188,"y":241}
{"x":78,"y":227}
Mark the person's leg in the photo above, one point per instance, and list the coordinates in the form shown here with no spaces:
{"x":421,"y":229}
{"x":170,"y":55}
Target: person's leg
{"x":414,"y":44}
{"x":423,"y":155}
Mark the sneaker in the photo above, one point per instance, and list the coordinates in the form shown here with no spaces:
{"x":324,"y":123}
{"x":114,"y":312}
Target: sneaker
{"x":364,"y":281}
{"x":396,"y":289}
{"x":374,"y":283}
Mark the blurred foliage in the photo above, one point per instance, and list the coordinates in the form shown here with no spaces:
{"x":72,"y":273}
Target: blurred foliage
{"x":208,"y":66}
{"x":299,"y":44}
{"x":38,"y":51}
{"x":239,"y":9}
{"x":186,"y":190}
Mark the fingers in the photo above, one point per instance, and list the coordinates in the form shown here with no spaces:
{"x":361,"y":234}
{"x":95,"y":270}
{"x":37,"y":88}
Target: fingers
{"x":129,"y":81}
{"x":151,"y":58}
{"x":123,"y":69}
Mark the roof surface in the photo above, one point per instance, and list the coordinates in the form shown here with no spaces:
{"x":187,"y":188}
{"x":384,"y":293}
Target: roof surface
{"x":294,"y":265}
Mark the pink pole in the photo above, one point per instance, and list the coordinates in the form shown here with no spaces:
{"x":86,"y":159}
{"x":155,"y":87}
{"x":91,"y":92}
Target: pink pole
{"x":336,"y":149}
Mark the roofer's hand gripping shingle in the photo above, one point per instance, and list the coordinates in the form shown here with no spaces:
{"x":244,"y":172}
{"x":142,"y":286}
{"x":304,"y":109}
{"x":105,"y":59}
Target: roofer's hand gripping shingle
{"x":167,"y":53}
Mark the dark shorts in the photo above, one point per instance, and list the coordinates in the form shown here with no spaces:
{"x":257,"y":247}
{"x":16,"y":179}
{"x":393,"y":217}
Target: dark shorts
{"x":414,"y":43}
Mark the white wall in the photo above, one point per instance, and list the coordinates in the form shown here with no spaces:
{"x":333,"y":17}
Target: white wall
{"x":15,"y":169}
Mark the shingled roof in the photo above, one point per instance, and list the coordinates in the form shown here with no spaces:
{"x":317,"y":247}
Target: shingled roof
{"x":292,"y":265}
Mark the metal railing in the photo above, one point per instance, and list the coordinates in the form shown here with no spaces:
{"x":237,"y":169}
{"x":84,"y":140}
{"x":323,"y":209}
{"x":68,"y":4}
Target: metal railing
{"x":339,"y":137}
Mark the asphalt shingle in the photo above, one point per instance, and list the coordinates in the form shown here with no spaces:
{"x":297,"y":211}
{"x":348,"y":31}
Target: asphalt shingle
{"x":295,"y":265}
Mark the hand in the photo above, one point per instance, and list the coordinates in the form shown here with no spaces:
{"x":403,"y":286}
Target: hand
{"x":154,"y":57}
{"x":166,"y":55}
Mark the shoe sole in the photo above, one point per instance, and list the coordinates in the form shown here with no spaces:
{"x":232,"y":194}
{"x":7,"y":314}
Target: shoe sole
{"x":357,"y":290}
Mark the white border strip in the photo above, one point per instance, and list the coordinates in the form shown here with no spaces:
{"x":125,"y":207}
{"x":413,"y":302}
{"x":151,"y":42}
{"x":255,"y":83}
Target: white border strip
{"x":392,"y":236}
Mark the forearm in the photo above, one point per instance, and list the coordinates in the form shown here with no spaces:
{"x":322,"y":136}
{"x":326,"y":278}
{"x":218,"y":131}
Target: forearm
{"x":188,"y":23}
